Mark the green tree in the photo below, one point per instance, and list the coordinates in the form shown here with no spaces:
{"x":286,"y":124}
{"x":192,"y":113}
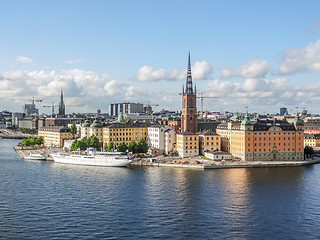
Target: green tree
{"x":74,"y":145}
{"x":133,"y":147}
{"x":94,"y":142}
{"x":73,"y":129}
{"x":122,"y":147}
{"x":39,"y":141}
{"x":308,"y":152}
{"x":142,"y":146}
{"x":110,"y":147}
{"x":83,"y":144}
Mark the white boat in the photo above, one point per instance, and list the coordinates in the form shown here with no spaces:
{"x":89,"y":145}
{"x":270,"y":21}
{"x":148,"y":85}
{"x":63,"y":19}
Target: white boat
{"x":35,"y":156}
{"x":102,"y":159}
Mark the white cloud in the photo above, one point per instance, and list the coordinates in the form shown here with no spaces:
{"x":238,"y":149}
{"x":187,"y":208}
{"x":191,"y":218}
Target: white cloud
{"x":200,"y":71}
{"x":24,"y":59}
{"x":300,"y":60}
{"x":253,"y":69}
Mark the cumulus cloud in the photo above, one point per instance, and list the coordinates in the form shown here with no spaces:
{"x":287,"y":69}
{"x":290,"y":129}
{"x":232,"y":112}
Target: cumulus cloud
{"x":79,"y":87}
{"x":253,"y":69}
{"x":24,"y":59}
{"x":200,"y":71}
{"x":301,"y":60}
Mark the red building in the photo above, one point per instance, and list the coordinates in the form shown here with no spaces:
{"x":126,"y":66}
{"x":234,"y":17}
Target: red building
{"x":189,"y":118}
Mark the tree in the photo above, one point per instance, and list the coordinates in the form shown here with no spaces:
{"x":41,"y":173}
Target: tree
{"x":142,"y":146}
{"x":39,"y":141}
{"x":94,"y":142}
{"x":122,"y":147}
{"x":73,"y":129}
{"x":83,"y":144}
{"x":133,"y":147}
{"x":110,"y":147}
{"x":74,"y":145}
{"x":308,"y":152}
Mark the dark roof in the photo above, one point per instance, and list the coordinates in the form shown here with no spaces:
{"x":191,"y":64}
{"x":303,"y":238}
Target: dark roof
{"x":136,"y":125}
{"x":186,"y":133}
{"x":207,"y":132}
{"x":54,"y":129}
{"x":264,"y":125}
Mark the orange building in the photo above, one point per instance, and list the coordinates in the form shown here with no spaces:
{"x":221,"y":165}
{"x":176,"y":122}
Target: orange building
{"x":264,"y":139}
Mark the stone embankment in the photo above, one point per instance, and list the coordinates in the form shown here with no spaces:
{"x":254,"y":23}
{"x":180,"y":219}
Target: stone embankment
{"x":195,"y":163}
{"x":9,"y":134}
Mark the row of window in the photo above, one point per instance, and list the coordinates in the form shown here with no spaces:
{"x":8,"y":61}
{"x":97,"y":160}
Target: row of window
{"x":269,"y":150}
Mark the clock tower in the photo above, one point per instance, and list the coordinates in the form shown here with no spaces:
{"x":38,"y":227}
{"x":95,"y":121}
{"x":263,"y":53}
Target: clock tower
{"x":189,"y":118}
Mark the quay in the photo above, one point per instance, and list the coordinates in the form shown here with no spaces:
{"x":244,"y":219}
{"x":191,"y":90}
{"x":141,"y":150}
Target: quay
{"x":194,"y":163}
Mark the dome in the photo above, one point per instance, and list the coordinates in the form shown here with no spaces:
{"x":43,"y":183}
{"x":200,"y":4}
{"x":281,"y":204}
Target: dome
{"x":96,"y":124}
{"x":246,"y":121}
{"x":297,"y":121}
{"x":86,"y":123}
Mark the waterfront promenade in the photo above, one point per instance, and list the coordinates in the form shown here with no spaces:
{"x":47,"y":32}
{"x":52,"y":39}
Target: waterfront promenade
{"x":195,"y":163}
{"x":9,"y":134}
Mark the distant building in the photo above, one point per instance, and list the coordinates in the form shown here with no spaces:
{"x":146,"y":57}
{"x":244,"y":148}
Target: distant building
{"x":30,"y":110}
{"x":126,"y":108}
{"x":89,"y":129}
{"x":283,"y":111}
{"x":16,"y":117}
{"x":312,"y":140}
{"x":62,"y":121}
{"x":170,"y":141}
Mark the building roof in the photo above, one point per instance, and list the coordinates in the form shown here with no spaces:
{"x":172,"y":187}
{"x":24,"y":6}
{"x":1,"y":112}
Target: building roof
{"x":121,"y":125}
{"x":54,"y":129}
{"x":186,"y":133}
{"x":207,"y":133}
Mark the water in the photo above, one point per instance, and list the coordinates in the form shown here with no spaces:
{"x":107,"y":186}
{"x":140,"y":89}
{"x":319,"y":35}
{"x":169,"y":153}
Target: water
{"x":55,"y":201}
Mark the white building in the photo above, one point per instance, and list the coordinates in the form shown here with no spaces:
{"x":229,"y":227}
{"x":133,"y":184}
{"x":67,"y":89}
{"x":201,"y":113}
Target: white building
{"x":94,"y":129}
{"x":156,"y":138}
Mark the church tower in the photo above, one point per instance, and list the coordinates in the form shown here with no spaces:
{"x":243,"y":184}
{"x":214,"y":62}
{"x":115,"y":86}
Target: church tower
{"x":189,"y":118}
{"x":62,"y":110}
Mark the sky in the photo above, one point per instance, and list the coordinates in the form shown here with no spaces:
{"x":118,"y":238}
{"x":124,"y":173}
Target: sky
{"x":263,"y":55}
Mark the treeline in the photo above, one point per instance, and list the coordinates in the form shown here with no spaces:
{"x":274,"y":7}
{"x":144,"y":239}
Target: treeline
{"x":140,"y":147}
{"x":86,"y":143}
{"x":30,"y":141}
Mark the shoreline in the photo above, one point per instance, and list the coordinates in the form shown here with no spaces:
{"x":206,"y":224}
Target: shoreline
{"x":177,"y":162}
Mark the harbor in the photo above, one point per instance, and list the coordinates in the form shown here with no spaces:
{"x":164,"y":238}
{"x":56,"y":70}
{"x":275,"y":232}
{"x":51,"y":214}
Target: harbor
{"x":176,"y":162}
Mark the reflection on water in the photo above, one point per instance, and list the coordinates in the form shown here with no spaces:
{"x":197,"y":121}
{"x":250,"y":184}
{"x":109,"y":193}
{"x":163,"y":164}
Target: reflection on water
{"x":64,"y":201}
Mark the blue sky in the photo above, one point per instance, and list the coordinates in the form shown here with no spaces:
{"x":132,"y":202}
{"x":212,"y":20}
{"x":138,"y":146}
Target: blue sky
{"x":260,"y":54}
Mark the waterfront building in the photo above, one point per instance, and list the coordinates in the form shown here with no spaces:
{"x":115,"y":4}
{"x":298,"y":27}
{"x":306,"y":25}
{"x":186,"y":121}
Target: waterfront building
{"x":119,"y":133}
{"x":156,"y":138}
{"x":187,"y":144}
{"x":218,"y":156}
{"x":89,"y":129}
{"x":54,"y":136}
{"x":209,"y":141}
{"x":312,"y":126}
{"x":263,"y":139}
{"x":189,"y":118}
{"x":170,"y":141}
{"x":312,"y":140}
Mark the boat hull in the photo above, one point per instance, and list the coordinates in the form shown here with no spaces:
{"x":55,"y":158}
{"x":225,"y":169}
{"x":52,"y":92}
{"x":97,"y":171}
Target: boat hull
{"x":101,"y":161}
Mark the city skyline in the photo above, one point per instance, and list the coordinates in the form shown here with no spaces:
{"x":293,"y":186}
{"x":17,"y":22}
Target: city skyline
{"x":264,"y":55}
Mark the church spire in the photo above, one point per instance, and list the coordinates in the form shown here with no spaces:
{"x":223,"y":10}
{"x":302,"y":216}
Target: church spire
{"x":189,"y":87}
{"x":61,"y":105}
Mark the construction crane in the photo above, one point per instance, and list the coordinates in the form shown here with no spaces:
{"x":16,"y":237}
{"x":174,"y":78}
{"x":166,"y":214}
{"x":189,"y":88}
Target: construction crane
{"x":201,"y":99}
{"x":28,"y":99}
{"x":149,"y":105}
{"x":53,"y":106}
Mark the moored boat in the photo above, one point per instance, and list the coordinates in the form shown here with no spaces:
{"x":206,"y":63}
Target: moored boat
{"x":102,"y":159}
{"x":36,"y":156}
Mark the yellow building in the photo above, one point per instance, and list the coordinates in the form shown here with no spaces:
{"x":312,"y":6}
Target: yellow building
{"x":54,"y":136}
{"x":209,"y":141}
{"x":312,"y":140}
{"x":187,"y":144}
{"x":119,"y":133}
